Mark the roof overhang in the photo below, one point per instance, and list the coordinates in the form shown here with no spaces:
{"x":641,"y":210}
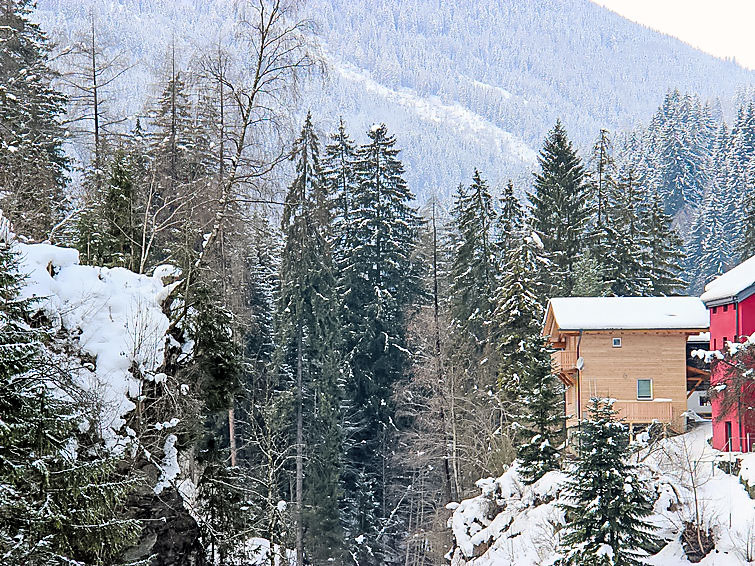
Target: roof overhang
{"x":738,"y":298}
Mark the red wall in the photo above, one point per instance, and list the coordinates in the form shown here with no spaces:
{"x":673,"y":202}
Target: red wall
{"x":723,"y":324}
{"x":747,"y":316}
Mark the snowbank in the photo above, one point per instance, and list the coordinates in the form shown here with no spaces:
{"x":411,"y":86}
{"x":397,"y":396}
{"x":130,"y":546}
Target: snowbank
{"x":113,"y":315}
{"x":510,"y":524}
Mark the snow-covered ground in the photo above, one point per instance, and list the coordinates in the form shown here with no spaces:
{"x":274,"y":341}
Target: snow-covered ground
{"x":510,"y":524}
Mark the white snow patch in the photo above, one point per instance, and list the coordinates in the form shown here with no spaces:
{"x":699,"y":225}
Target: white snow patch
{"x":169,"y":469}
{"x":113,"y":314}
{"x":731,"y":283}
{"x":433,"y":109}
{"x":629,"y":313}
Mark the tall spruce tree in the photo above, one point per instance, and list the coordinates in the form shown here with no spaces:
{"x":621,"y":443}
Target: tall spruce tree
{"x":178,"y":157}
{"x":664,"y":257}
{"x":510,"y":221}
{"x":747,"y":237}
{"x":309,"y":335}
{"x":339,"y":173}
{"x":711,"y":245}
{"x":623,"y":260}
{"x":33,"y":166}
{"x":518,"y":308}
{"x":561,"y":209}
{"x":525,"y":368}
{"x":590,"y":279}
{"x":608,"y":502}
{"x":602,"y":179}
{"x":681,"y":152}
{"x":380,"y":281}
{"x":108,"y":230}
{"x":474,"y":271}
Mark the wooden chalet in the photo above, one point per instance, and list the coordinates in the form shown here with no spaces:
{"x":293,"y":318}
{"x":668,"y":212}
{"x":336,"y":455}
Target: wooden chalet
{"x":631,"y":349}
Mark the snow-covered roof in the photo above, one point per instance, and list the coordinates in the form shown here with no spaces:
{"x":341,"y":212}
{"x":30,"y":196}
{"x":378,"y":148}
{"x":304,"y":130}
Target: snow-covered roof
{"x":629,"y":313}
{"x":702,"y":337}
{"x":737,"y":283}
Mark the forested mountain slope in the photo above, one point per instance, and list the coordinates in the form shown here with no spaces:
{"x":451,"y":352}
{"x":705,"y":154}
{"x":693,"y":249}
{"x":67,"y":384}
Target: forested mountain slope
{"x":462,"y":85}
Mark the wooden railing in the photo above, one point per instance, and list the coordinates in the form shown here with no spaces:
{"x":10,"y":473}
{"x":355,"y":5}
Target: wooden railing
{"x":644,"y":411}
{"x":563,"y":361}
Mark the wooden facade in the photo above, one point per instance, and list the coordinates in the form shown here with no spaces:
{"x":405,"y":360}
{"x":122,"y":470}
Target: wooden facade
{"x":612,"y":363}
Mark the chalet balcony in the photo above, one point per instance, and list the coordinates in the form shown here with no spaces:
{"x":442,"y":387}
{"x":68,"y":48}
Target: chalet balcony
{"x":564,"y":361}
{"x":645,"y":411}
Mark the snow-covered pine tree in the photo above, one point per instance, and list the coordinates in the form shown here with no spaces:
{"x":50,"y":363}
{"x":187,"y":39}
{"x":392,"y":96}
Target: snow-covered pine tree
{"x":108,"y":231}
{"x":746,"y":248}
{"x":525,"y":369}
{"x":711,"y":245}
{"x":339,"y":173}
{"x":663,"y":254}
{"x":474,"y":270}
{"x":309,"y":337}
{"x":518,"y":310}
{"x":541,"y":418}
{"x":61,"y":498}
{"x":510,"y":221}
{"x":561,"y":209}
{"x":623,"y":264}
{"x":121,"y":206}
{"x":590,"y":280}
{"x":176,"y":159}
{"x":707,"y":251}
{"x":33,"y":166}
{"x":681,"y":152}
{"x":608,"y":502}
{"x":602,"y":180}
{"x":380,"y":281}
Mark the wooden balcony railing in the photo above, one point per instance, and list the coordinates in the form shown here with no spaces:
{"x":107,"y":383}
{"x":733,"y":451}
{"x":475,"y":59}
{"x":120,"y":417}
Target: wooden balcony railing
{"x":644,"y":411}
{"x":563,"y":361}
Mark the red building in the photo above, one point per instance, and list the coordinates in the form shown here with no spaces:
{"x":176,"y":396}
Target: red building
{"x":730,"y":299}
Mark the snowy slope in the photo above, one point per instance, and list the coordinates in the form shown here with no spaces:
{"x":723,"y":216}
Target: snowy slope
{"x":511,"y":524}
{"x":463,"y":85}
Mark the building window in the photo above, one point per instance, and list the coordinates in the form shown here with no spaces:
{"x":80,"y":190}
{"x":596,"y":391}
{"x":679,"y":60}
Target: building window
{"x":714,"y":310}
{"x":644,"y":388}
{"x":617,"y":342}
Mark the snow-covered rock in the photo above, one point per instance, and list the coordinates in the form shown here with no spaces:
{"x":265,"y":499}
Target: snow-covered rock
{"x":112,"y":315}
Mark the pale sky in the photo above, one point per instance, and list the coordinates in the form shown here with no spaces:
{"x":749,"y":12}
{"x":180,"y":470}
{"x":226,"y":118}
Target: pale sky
{"x":720,"y":27}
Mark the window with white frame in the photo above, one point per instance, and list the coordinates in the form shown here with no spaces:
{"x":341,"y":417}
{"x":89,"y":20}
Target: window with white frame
{"x":644,"y":389}
{"x":617,"y":342}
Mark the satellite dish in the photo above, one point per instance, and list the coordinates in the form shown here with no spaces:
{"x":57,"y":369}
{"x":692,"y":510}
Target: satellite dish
{"x":580,"y":363}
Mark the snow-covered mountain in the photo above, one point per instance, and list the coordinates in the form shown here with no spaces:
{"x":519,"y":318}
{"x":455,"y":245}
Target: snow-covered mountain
{"x":463,"y":84}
